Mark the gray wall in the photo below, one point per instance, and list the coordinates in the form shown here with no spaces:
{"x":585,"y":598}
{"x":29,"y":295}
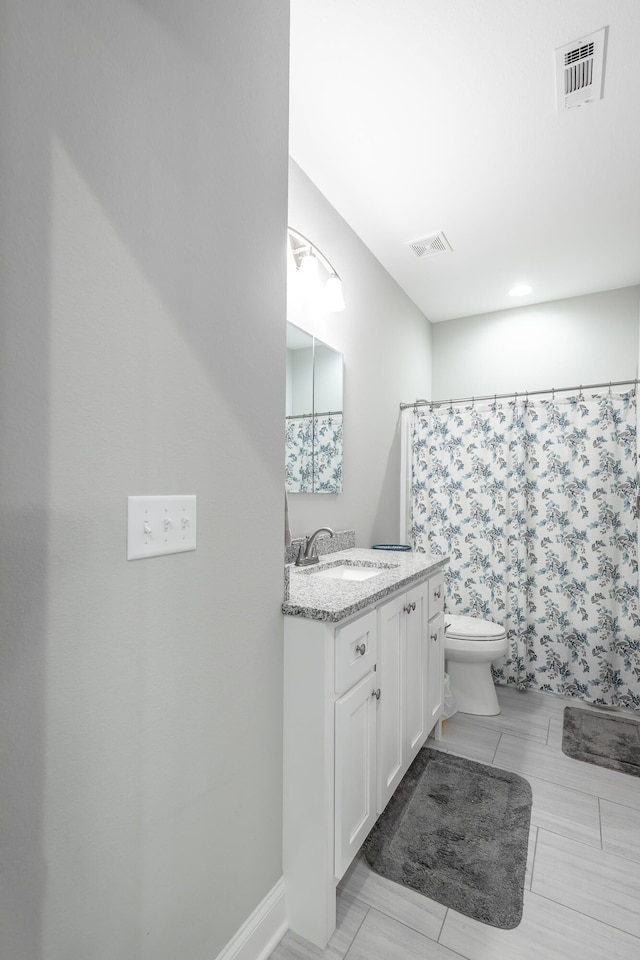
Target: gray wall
{"x":142,"y":145}
{"x":386,"y":342}
{"x":589,"y":339}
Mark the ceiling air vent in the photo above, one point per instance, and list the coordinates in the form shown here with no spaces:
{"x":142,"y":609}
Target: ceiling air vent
{"x":428,"y":246}
{"x":580,"y":71}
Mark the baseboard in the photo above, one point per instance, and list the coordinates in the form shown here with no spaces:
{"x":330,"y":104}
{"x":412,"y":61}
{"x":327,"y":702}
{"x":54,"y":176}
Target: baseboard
{"x":262,"y":931}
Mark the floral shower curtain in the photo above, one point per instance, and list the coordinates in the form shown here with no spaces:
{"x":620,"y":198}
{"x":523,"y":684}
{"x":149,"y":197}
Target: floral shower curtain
{"x":535,"y":502}
{"x":313,"y":453}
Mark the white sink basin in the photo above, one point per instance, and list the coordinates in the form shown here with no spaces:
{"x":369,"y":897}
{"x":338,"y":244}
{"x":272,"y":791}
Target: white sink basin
{"x":347,"y":571}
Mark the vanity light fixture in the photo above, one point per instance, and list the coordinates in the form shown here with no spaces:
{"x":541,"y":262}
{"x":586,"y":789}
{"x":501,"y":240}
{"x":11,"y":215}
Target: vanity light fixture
{"x":307,"y":258}
{"x":520,"y":290}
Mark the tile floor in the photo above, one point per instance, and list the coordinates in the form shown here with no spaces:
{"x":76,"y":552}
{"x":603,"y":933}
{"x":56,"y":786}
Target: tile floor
{"x":582,"y":889}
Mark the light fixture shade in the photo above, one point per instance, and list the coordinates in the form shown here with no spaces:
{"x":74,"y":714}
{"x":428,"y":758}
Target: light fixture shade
{"x":309,"y":270}
{"x":333,"y":298}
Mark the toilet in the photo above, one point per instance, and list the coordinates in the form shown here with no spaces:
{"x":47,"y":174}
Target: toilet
{"x":471,"y":645}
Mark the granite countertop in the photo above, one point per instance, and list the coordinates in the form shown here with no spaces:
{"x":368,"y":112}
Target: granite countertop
{"x":318,"y":598}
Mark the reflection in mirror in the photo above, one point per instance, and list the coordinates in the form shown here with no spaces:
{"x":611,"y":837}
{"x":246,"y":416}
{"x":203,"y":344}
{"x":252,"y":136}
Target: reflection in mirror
{"x":313,"y":432}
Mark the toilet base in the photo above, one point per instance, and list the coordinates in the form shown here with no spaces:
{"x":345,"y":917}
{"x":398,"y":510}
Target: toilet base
{"x":473,"y":688}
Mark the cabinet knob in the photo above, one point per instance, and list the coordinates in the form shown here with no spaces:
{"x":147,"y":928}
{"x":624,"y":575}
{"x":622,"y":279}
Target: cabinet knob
{"x":376,"y":693}
{"x":361,"y":649}
{"x":409,"y":607}
{"x":437,"y":593}
{"x":434,"y":637}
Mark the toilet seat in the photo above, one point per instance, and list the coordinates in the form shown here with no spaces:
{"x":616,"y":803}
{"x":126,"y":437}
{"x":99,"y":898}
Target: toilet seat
{"x":472,"y":628}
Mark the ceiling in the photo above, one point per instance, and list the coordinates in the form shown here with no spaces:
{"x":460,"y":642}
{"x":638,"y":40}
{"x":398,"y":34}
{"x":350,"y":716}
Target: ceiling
{"x":419,"y":116}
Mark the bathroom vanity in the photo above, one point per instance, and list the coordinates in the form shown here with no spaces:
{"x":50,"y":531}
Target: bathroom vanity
{"x":363,"y":688}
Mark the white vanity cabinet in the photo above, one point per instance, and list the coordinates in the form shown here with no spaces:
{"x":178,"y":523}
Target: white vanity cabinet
{"x":359,"y":702}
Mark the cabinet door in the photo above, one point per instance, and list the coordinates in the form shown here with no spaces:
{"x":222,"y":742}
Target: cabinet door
{"x":391,"y":669}
{"x":435,"y":669}
{"x":416,"y":721}
{"x":355,"y":759}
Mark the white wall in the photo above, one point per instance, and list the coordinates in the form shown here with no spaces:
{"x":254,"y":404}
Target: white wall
{"x":142,"y":145}
{"x":386,"y":342}
{"x":328,"y":380}
{"x":589,"y":339}
{"x":300,"y":377}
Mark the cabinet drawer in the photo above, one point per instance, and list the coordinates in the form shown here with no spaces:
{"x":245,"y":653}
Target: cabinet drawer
{"x":355,"y":651}
{"x":436,"y":594}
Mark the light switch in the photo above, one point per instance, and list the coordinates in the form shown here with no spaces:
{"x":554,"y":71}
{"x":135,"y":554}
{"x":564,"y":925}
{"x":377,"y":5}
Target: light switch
{"x":159,"y":525}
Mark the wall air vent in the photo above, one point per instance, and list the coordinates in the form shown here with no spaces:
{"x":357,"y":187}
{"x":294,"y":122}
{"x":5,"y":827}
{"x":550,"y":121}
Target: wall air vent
{"x":428,"y":246}
{"x":580,"y":71}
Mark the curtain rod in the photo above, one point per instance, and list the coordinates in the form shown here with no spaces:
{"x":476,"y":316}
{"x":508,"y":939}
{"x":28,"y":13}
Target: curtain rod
{"x":517,"y":393}
{"x":304,"y":416}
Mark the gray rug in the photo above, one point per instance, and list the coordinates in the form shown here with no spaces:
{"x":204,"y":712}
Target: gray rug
{"x":604,"y":739}
{"x":457,"y":831}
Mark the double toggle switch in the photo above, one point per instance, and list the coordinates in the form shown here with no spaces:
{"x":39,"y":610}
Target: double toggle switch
{"x":159,"y":525}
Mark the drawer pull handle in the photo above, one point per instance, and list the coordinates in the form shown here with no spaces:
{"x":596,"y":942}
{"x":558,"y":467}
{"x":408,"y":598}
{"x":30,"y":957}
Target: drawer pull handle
{"x":434,"y":637}
{"x":437,"y":593}
{"x":361,"y":649}
{"x":376,"y":693}
{"x":409,"y":607}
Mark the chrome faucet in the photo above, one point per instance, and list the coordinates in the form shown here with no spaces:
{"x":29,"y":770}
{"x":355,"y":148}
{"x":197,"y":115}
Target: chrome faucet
{"x":308,"y":550}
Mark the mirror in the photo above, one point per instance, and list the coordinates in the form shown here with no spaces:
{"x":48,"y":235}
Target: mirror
{"x":313,"y":426}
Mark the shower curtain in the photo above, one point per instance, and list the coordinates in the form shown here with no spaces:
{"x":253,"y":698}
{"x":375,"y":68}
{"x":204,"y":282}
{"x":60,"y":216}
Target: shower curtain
{"x":535,"y":502}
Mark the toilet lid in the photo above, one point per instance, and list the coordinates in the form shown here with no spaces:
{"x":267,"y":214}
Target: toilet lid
{"x":472,"y":628}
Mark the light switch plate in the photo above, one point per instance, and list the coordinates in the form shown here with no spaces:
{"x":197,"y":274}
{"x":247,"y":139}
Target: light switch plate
{"x":159,"y":525}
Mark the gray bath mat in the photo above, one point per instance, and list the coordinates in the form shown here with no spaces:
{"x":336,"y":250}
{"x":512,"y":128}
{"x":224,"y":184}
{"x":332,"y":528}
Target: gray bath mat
{"x":457,"y":831}
{"x":601,"y":738}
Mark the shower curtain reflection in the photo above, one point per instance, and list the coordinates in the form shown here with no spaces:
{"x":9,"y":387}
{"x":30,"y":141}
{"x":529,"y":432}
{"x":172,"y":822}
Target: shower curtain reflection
{"x":313,"y":453}
{"x":535,"y":501}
